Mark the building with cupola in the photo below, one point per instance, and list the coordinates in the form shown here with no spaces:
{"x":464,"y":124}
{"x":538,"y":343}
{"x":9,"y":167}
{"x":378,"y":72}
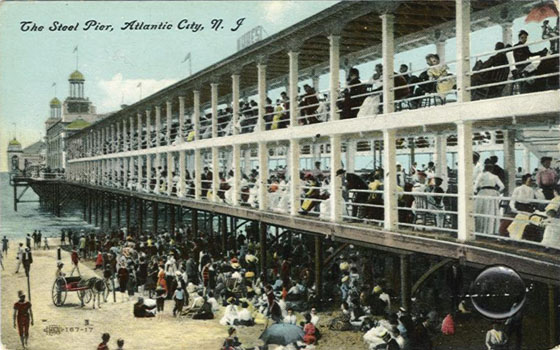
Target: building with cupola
{"x":65,"y":118}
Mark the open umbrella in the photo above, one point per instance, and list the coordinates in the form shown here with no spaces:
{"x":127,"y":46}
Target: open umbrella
{"x":541,"y":12}
{"x":282,"y":334}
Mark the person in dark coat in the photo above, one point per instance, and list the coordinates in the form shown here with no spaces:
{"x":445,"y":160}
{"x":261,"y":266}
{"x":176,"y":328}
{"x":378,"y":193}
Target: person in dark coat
{"x":354,"y":182}
{"x":498,"y":170}
{"x":421,"y":339}
{"x":353,"y":96}
{"x":205,"y":311}
{"x":309,"y":105}
{"x":521,"y":54}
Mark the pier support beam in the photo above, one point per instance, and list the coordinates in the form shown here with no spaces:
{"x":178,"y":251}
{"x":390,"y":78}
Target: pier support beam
{"x":223,"y":232}
{"x":109,"y":211}
{"x":552,"y":315}
{"x":140,"y":215}
{"x":127,"y":215}
{"x":405,"y":282}
{"x":155,"y":214}
{"x":96,"y":204}
{"x":171,"y":219}
{"x":194,"y":222}
{"x":263,"y":248}
{"x":118,"y":213}
{"x":102,"y":208}
{"x":319,"y":267}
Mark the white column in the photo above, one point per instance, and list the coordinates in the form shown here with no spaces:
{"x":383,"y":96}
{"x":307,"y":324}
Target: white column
{"x":465,"y":182}
{"x":334,"y":69}
{"x":316,"y":83}
{"x":293,"y":166}
{"x":390,"y":180}
{"x":441,"y":156}
{"x":261,"y":73}
{"x":351,"y":156}
{"x":158,"y":125}
{"x":148,"y":129}
{"x":214,"y":102}
{"x":181,"y":191}
{"x":235,"y":104}
{"x":509,"y":160}
{"x":125,"y":172}
{"x":507,"y":32}
{"x":526,"y":160}
{"x":196,"y":116}
{"x":168,"y":120}
{"x":181,"y":118}
{"x":388,"y":54}
{"x":336,"y":181}
{"x":440,"y":50}
{"x":139,"y":130}
{"x":119,"y":138}
{"x":114,"y":139}
{"x":215,"y":174}
{"x":140,"y":162}
{"x":148,"y":171}
{"x":197,"y":174}
{"x":293,"y":85}
{"x":236,"y":172}
{"x":463,"y":28}
{"x":170,"y":169}
{"x":263,"y":176}
{"x":131,"y":129}
{"x":125,"y":136}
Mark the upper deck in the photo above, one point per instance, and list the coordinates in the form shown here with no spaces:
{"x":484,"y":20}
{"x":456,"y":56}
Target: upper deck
{"x":255,"y":152}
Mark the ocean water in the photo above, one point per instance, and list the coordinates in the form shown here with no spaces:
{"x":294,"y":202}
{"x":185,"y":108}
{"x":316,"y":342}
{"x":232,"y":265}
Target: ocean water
{"x":30,"y":216}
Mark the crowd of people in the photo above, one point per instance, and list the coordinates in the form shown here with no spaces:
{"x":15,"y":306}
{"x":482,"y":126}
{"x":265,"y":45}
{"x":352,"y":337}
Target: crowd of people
{"x":358,"y":98}
{"x":204,"y":281}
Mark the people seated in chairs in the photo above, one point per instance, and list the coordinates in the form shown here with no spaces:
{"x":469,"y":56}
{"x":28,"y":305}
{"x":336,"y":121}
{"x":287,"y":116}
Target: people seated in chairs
{"x":142,"y":310}
{"x":491,"y":76}
{"x":523,"y":53}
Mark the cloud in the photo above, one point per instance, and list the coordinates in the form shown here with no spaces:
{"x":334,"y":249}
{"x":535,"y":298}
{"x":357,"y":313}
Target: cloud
{"x":275,"y":11}
{"x":118,"y":90}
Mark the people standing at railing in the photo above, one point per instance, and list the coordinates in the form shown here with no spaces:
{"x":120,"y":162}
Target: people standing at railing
{"x":436,"y":202}
{"x":351,"y":182}
{"x":268,"y":114}
{"x":353,"y":96}
{"x":551,"y":234}
{"x":375,"y":199}
{"x":312,"y":191}
{"x":308,"y":106}
{"x":477,"y":166}
{"x":523,"y":197}
{"x":547,"y":178}
{"x":487,"y":185}
{"x":522,"y":53}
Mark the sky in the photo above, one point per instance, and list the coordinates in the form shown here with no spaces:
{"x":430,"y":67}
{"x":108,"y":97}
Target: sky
{"x":115,"y":62}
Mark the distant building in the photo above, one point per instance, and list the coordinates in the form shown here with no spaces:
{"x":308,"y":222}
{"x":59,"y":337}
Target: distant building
{"x":15,"y":153}
{"x":75,"y":113}
{"x":30,"y":158}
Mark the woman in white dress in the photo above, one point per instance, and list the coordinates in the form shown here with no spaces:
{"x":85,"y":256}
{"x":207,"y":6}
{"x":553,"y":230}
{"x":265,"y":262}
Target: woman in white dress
{"x":551,"y":235}
{"x":487,"y":185}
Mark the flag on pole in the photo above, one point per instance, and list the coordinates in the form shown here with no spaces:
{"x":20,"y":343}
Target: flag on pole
{"x":187,"y":57}
{"x":139,"y":84}
{"x":75,"y":49}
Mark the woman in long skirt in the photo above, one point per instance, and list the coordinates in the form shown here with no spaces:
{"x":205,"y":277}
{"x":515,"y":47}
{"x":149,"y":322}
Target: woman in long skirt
{"x":487,"y":185}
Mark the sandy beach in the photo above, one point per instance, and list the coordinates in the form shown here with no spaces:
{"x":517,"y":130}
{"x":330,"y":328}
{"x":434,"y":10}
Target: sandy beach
{"x":81,"y":328}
